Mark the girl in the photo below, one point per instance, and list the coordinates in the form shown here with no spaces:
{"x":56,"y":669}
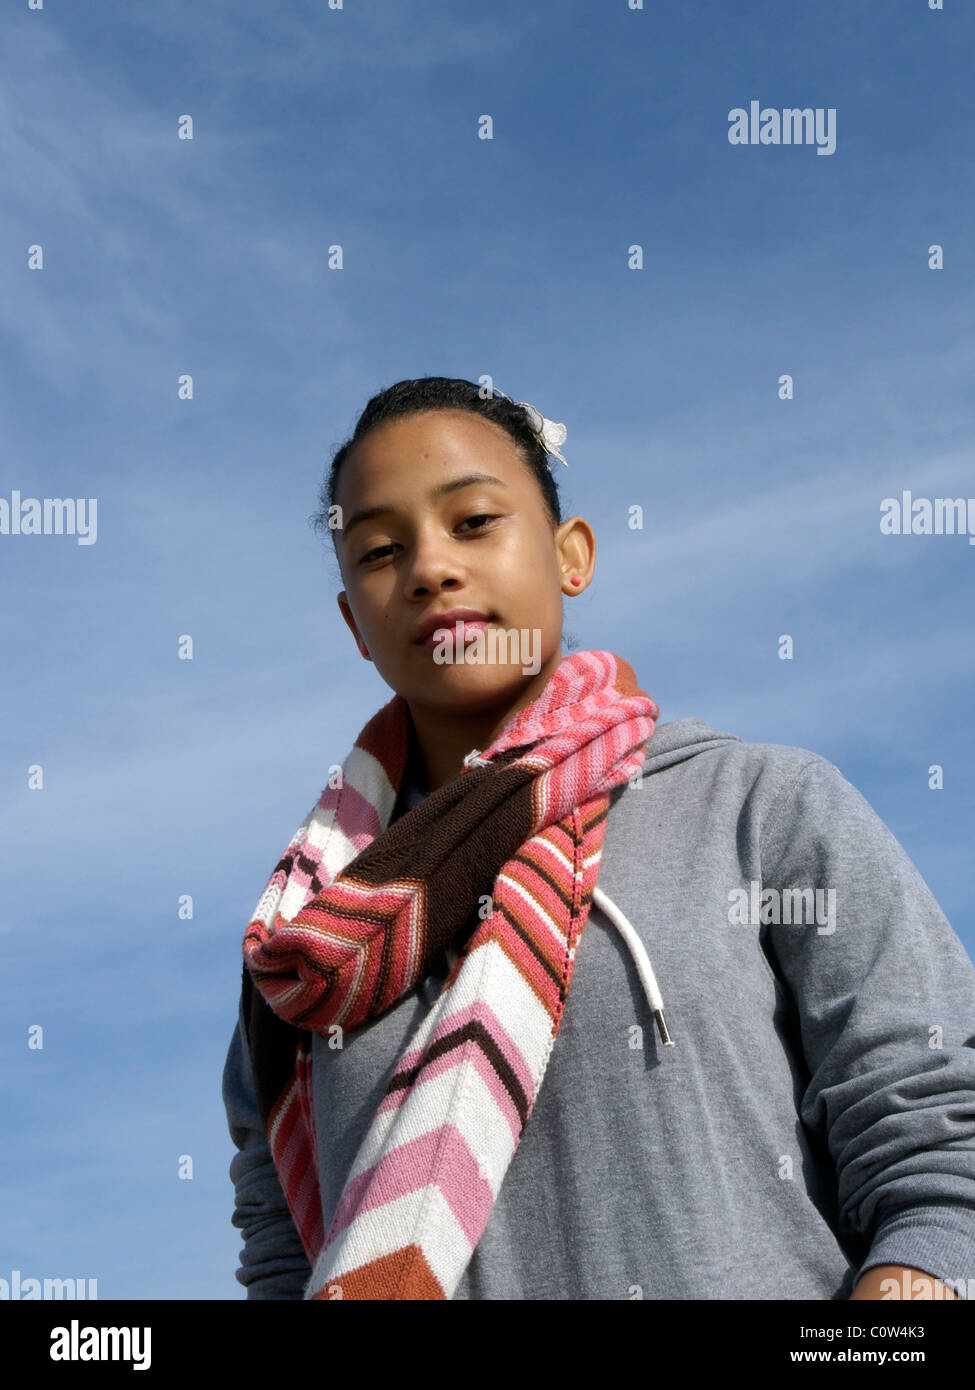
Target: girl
{"x":453,"y":1075}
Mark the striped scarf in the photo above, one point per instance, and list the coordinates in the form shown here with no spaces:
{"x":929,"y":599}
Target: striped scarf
{"x":352,"y":918}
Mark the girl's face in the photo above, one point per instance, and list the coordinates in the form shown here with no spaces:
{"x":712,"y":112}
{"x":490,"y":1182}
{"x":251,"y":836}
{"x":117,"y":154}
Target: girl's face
{"x":421,"y":536}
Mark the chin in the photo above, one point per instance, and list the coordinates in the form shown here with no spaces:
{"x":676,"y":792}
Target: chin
{"x":470,"y":686}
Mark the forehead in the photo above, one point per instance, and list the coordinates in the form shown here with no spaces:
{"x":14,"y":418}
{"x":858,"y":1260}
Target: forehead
{"x":431,"y":444}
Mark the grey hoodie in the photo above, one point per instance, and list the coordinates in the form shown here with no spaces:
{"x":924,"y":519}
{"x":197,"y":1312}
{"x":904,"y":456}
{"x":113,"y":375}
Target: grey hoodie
{"x":815,"y":1115}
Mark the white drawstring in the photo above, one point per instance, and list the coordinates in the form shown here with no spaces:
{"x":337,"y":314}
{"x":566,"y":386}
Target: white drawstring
{"x":626,"y":930}
{"x":642,"y":960}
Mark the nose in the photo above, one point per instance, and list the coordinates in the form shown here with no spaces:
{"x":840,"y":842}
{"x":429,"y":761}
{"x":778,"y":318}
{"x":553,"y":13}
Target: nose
{"x":431,"y":568}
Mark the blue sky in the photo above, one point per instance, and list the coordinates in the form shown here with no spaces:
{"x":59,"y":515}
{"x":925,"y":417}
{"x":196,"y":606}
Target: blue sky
{"x":462,"y":256}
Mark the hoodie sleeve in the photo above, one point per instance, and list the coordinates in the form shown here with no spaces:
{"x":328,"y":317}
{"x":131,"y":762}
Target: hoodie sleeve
{"x":885,"y":999}
{"x":273,"y":1263}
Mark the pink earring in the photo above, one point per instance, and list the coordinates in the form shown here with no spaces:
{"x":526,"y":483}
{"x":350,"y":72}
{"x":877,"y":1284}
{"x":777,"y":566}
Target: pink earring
{"x":575,"y":579}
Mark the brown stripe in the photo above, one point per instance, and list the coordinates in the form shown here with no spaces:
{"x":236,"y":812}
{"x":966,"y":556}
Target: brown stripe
{"x":306,"y":865}
{"x":517,"y":963}
{"x":486,"y":808}
{"x":293,"y":958}
{"x":385,"y":964}
{"x":553,"y":883}
{"x":591,"y":819}
{"x":330,"y":973}
{"x":473,"y":1030}
{"x":552,"y":971}
{"x":365,"y":913}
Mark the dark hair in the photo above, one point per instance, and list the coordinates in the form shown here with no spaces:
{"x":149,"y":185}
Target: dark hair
{"x":444,"y":393}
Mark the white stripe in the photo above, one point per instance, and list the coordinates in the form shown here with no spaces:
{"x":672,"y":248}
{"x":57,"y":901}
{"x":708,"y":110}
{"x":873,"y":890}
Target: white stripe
{"x":285,"y":1106}
{"x":558,"y":937}
{"x":478,"y":1121}
{"x":518,"y":1010}
{"x":366,"y":775}
{"x":564,"y":861}
{"x":387,"y":1228}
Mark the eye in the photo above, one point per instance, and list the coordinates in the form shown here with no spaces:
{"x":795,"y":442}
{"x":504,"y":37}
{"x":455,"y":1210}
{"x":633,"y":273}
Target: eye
{"x":374,"y":554}
{"x":377,"y":552}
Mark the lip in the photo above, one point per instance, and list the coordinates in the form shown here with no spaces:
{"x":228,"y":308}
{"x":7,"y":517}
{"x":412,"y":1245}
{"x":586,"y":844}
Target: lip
{"x":469,"y":616}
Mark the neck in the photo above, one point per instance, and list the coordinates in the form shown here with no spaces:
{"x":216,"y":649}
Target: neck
{"x":443,"y":741}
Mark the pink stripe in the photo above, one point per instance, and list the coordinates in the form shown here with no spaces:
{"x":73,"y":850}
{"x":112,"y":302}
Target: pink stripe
{"x":301,"y":1182}
{"x":358,"y":818}
{"x":439,"y":1158}
{"x":578,"y":677}
{"x":290,"y":1135}
{"x":485,"y":1015}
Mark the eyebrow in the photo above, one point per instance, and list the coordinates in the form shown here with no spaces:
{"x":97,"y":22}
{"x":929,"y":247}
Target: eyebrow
{"x":441,"y":490}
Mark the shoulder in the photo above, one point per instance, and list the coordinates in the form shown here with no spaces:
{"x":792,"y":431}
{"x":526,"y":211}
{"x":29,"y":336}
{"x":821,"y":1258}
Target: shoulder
{"x":712,"y":783}
{"x":693,"y":747}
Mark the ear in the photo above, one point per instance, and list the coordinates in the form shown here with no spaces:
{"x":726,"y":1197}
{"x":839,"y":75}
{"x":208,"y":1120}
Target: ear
{"x":343,"y":604}
{"x":576,"y":547}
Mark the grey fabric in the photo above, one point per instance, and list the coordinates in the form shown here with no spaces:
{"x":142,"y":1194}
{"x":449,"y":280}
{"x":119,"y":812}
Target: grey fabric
{"x":815,"y":1118}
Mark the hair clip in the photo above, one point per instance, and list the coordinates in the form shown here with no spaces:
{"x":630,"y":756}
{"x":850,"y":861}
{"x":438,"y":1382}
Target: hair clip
{"x":549,"y":434}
